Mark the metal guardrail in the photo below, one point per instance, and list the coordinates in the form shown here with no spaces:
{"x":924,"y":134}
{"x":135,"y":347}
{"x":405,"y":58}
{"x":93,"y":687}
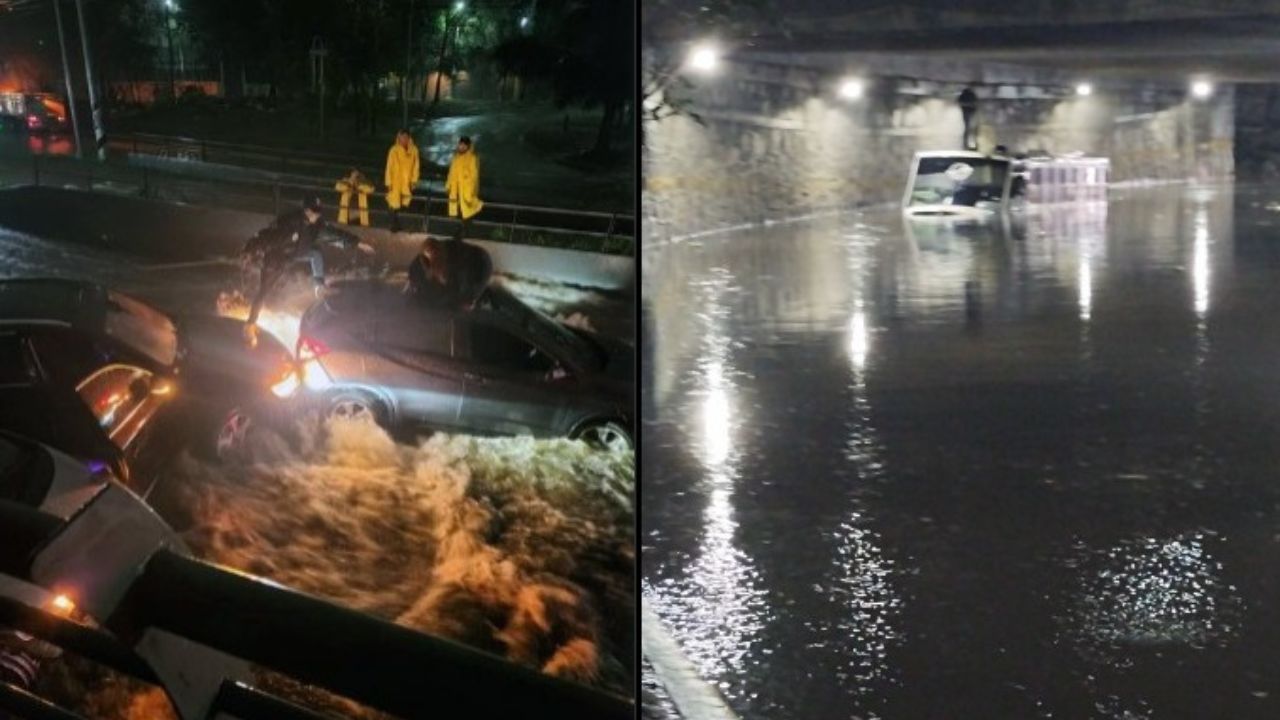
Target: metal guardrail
{"x":285,"y":161}
{"x":371,"y":661}
{"x":609,"y":233}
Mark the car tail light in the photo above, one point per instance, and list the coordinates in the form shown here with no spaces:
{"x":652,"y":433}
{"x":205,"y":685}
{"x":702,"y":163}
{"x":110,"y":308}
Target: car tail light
{"x":286,"y":382}
{"x":314,"y":375}
{"x":310,"y":349}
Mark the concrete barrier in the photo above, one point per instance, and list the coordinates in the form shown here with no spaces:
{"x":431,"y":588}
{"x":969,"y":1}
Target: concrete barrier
{"x":694,"y":697}
{"x":174,"y":232}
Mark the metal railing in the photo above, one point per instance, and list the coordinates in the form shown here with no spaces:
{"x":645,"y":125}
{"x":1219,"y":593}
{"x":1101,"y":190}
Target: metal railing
{"x":372,"y":661}
{"x":602,"y":232}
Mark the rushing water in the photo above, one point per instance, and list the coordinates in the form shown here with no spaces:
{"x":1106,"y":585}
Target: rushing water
{"x":523,"y":548}
{"x":1017,"y":470}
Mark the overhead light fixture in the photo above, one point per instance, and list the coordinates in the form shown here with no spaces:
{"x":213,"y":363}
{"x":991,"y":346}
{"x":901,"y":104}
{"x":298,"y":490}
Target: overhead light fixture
{"x":704,"y":58}
{"x":1084,"y":89}
{"x":1201,"y":89}
{"x":851,"y":89}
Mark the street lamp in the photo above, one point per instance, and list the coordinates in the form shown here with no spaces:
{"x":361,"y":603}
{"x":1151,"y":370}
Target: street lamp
{"x":1201,"y":89}
{"x":169,"y":7}
{"x":851,"y":89}
{"x":459,"y":6}
{"x":524,"y":22}
{"x":1084,"y":89}
{"x":704,"y":58}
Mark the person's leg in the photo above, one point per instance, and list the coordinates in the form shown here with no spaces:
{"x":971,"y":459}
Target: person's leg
{"x":316,"y":259}
{"x":266,"y":280}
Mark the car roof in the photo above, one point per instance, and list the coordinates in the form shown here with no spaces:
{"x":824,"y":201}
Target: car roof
{"x":46,"y":301}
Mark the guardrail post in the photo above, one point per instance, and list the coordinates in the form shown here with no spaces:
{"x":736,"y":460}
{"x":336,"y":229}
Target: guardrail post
{"x":613,"y":219}
{"x":511,"y":231}
{"x":204,"y":155}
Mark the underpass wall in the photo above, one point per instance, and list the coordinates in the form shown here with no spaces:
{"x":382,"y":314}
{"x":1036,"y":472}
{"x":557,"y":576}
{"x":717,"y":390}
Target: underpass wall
{"x":772,"y":139}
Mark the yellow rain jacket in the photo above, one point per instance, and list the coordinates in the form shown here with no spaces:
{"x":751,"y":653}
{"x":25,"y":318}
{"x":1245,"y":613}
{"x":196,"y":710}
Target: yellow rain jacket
{"x":402,"y":174}
{"x":463,"y":185}
{"x":353,"y":184}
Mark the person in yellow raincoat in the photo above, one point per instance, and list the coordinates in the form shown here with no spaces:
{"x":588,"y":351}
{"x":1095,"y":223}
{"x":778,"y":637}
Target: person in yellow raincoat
{"x":401,"y":175}
{"x":353,"y":184}
{"x":463,"y":185}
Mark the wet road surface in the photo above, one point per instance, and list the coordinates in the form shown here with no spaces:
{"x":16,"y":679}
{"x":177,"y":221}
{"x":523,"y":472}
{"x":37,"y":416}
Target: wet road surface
{"x":934,"y":471}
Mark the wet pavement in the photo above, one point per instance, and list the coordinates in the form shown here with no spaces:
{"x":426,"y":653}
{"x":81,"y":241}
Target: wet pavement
{"x":936,"y":471}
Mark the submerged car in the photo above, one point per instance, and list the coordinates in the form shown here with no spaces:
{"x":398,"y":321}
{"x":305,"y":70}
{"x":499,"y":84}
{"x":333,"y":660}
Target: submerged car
{"x":958,"y":184}
{"x":371,"y":351}
{"x":108,"y":379}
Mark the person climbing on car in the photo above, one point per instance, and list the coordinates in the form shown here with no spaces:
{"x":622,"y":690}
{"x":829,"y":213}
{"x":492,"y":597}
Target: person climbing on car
{"x":296,"y":237}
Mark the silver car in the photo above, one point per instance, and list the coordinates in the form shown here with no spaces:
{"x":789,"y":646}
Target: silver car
{"x":371,"y":351}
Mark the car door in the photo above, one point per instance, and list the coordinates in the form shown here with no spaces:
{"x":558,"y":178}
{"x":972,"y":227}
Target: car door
{"x":510,"y":382}
{"x":413,"y":362}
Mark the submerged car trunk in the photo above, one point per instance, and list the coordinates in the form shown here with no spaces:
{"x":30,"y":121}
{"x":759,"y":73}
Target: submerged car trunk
{"x":216,"y":347}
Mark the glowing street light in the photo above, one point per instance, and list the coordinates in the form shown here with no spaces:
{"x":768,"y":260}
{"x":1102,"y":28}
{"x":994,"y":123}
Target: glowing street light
{"x":1201,"y":89}
{"x":851,"y":89}
{"x":704,"y":58}
{"x":459,"y":6}
{"x":1084,"y":89}
{"x":524,"y":22}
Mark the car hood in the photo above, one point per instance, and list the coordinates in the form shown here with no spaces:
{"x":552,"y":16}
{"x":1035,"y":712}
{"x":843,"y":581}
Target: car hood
{"x":213,"y":345}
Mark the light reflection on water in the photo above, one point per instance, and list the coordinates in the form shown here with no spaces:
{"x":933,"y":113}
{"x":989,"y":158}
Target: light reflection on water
{"x":716,"y":609}
{"x":956,"y":460}
{"x":1149,"y":591}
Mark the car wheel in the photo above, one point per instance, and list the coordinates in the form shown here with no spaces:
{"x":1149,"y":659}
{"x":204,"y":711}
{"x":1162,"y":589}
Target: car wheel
{"x":232,"y":439}
{"x":354,"y":407}
{"x":607,"y":435}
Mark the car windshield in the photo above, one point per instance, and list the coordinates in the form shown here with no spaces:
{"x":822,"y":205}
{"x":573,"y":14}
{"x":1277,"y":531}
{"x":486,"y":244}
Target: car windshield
{"x":12,"y":458}
{"x":142,"y":328}
{"x":543,"y":328}
{"x":958,"y":180}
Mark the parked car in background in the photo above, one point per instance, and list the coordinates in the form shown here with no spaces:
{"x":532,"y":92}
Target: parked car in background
{"x":108,"y":379}
{"x":371,"y":351}
{"x":34,"y":112}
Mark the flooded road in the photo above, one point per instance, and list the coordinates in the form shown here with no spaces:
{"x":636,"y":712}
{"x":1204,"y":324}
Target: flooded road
{"x":936,"y":471}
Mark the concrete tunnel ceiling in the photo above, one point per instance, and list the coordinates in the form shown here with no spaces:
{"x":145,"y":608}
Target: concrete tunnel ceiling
{"x":1233,"y":41}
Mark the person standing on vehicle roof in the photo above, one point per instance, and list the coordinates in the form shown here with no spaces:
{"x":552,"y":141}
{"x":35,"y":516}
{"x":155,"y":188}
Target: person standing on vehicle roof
{"x":401,"y":175}
{"x":463,"y":186}
{"x":296,"y":237}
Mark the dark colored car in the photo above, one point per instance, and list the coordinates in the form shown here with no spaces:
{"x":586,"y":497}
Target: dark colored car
{"x":40,"y":477}
{"x":108,"y":379}
{"x":370,"y":350}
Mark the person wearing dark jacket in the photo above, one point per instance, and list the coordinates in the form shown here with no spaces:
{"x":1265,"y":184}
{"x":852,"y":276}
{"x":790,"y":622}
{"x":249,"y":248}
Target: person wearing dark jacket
{"x":428,"y":279}
{"x":296,"y":237}
{"x":454,"y":273}
{"x":470,"y":269}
